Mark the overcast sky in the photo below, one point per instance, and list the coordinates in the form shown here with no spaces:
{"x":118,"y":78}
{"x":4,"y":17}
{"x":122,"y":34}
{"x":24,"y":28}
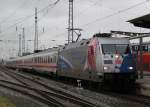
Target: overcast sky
{"x":91,"y":15}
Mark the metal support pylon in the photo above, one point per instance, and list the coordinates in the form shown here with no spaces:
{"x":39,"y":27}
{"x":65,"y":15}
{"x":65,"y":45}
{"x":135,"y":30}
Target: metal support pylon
{"x":23,"y":41}
{"x":36,"y":32}
{"x":70,"y":22}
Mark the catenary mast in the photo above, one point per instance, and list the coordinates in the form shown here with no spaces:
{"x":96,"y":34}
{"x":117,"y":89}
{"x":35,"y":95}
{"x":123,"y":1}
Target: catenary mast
{"x":70,"y":22}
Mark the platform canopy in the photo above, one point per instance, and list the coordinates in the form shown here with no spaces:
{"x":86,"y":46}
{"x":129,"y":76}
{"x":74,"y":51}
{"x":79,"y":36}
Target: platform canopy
{"x":143,"y":21}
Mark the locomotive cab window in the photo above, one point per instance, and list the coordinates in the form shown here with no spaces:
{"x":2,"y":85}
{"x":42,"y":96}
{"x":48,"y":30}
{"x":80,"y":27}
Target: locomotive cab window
{"x":116,"y":49}
{"x":108,"y":49}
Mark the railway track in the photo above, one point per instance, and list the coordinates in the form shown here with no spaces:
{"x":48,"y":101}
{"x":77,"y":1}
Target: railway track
{"x":49,"y":92}
{"x":131,"y":97}
{"x":108,"y":98}
{"x":30,"y":92}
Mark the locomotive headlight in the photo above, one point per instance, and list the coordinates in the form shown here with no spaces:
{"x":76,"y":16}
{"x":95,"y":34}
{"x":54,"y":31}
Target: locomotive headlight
{"x":131,"y":68}
{"x":105,"y":68}
{"x":116,"y":56}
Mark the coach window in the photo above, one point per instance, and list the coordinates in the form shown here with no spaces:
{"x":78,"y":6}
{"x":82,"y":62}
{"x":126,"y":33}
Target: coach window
{"x":38,"y":59}
{"x":48,"y":59}
{"x":45,"y":59}
{"x":42,"y":59}
{"x":32,"y":60}
{"x":51,"y":60}
{"x":35,"y":60}
{"x":54,"y":58}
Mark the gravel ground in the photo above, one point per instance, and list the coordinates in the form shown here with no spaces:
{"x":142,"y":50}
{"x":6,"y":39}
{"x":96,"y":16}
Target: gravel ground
{"x":106,"y":99}
{"x":16,"y":98}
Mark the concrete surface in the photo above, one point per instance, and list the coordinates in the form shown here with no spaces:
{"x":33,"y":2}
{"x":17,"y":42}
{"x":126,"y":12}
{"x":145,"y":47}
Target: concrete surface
{"x":143,"y":85}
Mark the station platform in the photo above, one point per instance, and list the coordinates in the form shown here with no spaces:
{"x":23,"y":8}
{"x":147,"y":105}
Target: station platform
{"x":143,"y":85}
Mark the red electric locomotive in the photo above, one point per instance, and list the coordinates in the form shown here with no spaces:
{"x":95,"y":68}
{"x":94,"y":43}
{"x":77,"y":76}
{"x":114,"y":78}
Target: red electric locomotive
{"x":145,"y":56}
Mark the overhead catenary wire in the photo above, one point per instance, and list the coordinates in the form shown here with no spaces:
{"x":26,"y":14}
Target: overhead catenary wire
{"x":105,"y":17}
{"x":5,"y":20}
{"x":108,"y":16}
{"x":13,"y":13}
{"x":116,"y":13}
{"x":30,"y":16}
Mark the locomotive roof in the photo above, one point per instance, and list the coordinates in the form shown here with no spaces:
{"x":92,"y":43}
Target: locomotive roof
{"x":83,"y":42}
{"x":108,"y":40}
{"x":114,"y":40}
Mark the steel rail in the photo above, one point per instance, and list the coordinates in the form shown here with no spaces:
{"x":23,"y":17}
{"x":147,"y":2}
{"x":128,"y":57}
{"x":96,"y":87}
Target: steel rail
{"x":59,"y":93}
{"x":50,"y":101}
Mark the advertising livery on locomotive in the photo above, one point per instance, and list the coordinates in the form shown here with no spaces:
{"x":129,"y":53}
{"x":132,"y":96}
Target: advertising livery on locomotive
{"x":96,"y":59}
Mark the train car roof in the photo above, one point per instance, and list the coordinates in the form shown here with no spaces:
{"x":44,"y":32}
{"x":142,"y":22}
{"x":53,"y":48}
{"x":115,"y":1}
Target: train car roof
{"x":43,"y":53}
